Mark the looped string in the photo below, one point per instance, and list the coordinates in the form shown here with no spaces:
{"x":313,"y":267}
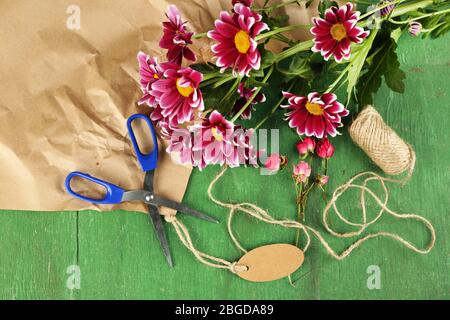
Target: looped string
{"x":204,"y":258}
{"x":262,"y":215}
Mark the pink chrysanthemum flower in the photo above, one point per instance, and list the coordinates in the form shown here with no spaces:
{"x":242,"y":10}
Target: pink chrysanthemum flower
{"x":178,"y":94}
{"x":334,"y":34}
{"x":246,"y":94}
{"x":214,"y":141}
{"x":315,"y":115}
{"x":181,"y":141}
{"x":150,"y":72}
{"x":161,"y":122}
{"x":176,"y":38}
{"x":244,"y":152}
{"x":235,"y":34}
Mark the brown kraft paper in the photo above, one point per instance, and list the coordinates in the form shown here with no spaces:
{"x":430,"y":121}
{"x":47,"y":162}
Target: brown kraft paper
{"x":65,"y":95}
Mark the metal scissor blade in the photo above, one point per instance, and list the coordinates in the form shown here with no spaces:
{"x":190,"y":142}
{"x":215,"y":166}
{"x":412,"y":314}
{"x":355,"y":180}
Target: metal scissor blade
{"x":156,"y":219}
{"x":159,"y":201}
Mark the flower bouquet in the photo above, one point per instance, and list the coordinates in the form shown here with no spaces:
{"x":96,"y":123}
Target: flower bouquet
{"x":204,"y":110}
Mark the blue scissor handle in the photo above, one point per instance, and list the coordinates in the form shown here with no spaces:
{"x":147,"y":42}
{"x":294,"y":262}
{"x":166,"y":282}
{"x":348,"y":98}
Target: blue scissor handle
{"x":147,"y":161}
{"x":113,"y":193}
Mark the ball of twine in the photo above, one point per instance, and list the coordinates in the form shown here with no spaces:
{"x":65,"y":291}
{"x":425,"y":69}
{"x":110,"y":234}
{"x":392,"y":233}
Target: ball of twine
{"x":381,"y":143}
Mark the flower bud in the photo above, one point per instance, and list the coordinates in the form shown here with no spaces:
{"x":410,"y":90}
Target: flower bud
{"x":415,"y":28}
{"x":324,"y":149}
{"x":388,"y":9}
{"x":306,"y":146}
{"x":322,"y":180}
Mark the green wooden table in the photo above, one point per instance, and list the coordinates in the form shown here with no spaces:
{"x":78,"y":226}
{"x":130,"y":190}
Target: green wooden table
{"x":118,"y":255}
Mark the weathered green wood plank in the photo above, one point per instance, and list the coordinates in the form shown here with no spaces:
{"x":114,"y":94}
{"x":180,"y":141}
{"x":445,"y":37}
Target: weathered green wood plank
{"x":36,"y":248}
{"x":119,"y":256}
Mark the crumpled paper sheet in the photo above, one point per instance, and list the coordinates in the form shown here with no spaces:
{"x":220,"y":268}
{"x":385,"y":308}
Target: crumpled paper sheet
{"x":65,"y":96}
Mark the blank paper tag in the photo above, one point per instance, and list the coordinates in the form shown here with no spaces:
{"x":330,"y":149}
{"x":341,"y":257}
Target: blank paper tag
{"x":271,"y":262}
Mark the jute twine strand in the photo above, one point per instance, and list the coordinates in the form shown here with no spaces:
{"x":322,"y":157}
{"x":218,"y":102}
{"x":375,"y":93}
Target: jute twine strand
{"x":204,"y":258}
{"x":381,"y":143}
{"x":384,"y":147}
{"x":262,"y":215}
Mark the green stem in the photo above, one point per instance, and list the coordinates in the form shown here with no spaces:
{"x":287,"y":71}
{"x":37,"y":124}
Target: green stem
{"x":277,"y":6}
{"x":280,"y":30}
{"x":231,"y":90}
{"x":299,"y":209}
{"x":307,"y":192}
{"x":274,"y":108}
{"x":336,"y":82}
{"x":249,"y":101}
{"x":208,"y":76}
{"x":221,"y":82}
{"x":363,"y":2}
{"x":421,"y":17}
{"x":435,"y":27}
{"x":200,"y":35}
{"x":378,"y":8}
{"x":214,"y":80}
{"x":300,"y":47}
{"x":401,"y":10}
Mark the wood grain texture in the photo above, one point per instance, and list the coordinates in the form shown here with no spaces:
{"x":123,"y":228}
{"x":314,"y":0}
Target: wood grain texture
{"x":119,"y":256}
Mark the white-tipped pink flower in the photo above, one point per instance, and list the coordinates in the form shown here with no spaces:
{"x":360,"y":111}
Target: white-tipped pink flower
{"x":214,"y":141}
{"x":178,"y":93}
{"x":235,"y":34}
{"x":334,"y":34}
{"x":176,"y":38}
{"x":150,"y":71}
{"x":315,"y":115}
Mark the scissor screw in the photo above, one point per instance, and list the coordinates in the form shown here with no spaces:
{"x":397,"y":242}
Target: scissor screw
{"x":149,"y":197}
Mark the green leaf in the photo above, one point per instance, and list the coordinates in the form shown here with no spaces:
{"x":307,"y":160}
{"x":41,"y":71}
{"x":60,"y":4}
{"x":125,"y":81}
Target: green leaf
{"x":357,"y":62}
{"x":441,"y":29}
{"x":204,"y":68}
{"x":384,"y":63}
{"x":252,"y":82}
{"x":214,"y":97}
{"x":298,"y":65}
{"x":325,"y":4}
{"x":396,"y":33}
{"x":308,"y":3}
{"x":278,"y":21}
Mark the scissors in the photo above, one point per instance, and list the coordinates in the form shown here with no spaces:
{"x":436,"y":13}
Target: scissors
{"x":115,"y":194}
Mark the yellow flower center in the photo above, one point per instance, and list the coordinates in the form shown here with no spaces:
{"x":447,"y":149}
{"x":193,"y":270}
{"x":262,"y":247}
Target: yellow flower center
{"x":155,"y":76}
{"x":184,"y":91}
{"x":338,"y":32}
{"x":314,"y":108}
{"x":242,"y":41}
{"x":216,"y":134}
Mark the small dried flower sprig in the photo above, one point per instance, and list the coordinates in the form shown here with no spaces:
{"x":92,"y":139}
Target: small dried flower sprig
{"x":308,"y":149}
